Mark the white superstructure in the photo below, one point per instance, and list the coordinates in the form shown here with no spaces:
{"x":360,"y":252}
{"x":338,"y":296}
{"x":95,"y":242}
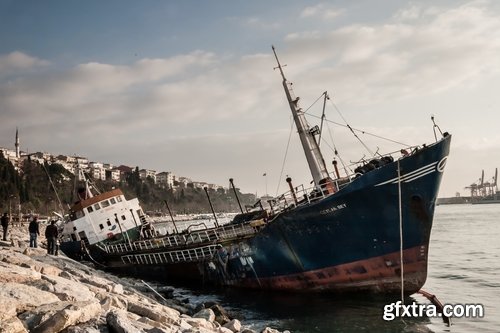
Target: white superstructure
{"x":106,"y":216}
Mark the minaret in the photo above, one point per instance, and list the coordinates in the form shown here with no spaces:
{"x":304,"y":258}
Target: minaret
{"x":17,"y":143}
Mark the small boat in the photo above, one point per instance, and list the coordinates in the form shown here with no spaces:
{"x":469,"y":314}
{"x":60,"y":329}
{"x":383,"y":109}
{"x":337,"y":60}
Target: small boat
{"x":368,"y":231}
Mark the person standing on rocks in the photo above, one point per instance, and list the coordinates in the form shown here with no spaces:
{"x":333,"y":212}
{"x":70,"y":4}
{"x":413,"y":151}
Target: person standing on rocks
{"x":34,"y":231}
{"x":51,"y":235}
{"x":5,"y":225}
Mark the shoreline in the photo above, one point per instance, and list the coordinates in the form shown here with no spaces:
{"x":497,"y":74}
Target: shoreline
{"x":46,"y":293}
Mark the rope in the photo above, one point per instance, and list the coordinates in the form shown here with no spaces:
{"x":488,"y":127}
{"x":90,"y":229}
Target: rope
{"x":400,"y":234}
{"x":284,"y":158}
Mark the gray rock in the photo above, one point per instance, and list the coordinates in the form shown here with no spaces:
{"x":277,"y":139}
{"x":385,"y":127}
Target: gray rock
{"x":14,"y":273}
{"x":76,"y":313}
{"x":207,"y":314}
{"x":221,"y":315}
{"x":224,"y":330}
{"x":161,"y":330}
{"x":155,"y":312}
{"x":68,"y":290}
{"x":117,"y":289}
{"x":199,"y":323}
{"x":269,"y":330}
{"x":78,"y":329}
{"x":67,"y":275}
{"x":16,"y":298}
{"x":118,"y":322}
{"x":12,"y":325}
{"x":234,"y":325}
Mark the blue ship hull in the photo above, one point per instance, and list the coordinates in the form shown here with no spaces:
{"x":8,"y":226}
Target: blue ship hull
{"x":351,"y":239}
{"x":347,"y":241}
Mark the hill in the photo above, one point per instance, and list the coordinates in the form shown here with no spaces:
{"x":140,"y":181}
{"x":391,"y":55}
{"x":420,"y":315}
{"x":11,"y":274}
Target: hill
{"x":31,"y":188}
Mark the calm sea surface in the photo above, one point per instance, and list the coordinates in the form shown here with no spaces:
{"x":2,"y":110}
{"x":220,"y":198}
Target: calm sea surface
{"x":464,"y":267}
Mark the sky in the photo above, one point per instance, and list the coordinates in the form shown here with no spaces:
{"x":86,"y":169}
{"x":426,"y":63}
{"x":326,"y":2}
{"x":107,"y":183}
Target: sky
{"x":190,"y":86}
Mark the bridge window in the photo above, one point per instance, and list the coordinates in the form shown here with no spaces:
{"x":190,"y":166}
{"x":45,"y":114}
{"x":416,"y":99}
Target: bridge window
{"x":97,"y":207}
{"x":89,"y":209}
{"x":112,"y":200}
{"x":105,"y":203}
{"x":119,"y":199}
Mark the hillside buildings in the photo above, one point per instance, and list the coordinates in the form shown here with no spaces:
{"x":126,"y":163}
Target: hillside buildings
{"x":100,"y":170}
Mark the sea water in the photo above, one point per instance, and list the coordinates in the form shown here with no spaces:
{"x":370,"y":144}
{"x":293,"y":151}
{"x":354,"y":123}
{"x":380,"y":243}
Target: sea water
{"x":464,"y":267}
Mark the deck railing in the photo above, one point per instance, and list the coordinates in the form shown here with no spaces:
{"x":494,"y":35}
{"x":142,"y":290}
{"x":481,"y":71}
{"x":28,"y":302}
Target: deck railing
{"x":170,"y":257}
{"x":176,"y":240}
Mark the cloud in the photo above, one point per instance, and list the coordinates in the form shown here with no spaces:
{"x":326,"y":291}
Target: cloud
{"x":257,"y":23}
{"x":220,"y":112}
{"x":411,"y":55}
{"x":18,"y":61}
{"x":322,"y":10}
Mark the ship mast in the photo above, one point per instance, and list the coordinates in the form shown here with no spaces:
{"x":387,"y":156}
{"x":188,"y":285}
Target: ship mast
{"x":313,"y":154}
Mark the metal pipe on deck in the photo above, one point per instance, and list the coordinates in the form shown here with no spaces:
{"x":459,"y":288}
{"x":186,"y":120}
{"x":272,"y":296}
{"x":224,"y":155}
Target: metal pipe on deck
{"x":289,"y":181}
{"x":334,"y":162}
{"x":235,"y":194}
{"x":171,"y":216}
{"x":211,"y":206}
{"x":126,"y":236}
{"x":133,"y":217}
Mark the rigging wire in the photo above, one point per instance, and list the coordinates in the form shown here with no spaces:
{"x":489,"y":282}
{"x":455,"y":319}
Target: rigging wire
{"x":360,"y":131}
{"x":284,"y":158}
{"x":336,"y":151}
{"x":316,"y":101}
{"x":350,"y":128}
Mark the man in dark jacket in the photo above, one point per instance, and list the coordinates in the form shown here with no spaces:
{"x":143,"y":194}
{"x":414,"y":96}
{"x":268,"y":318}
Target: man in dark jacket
{"x":51,"y":235}
{"x":5,"y":225}
{"x":34,"y":231}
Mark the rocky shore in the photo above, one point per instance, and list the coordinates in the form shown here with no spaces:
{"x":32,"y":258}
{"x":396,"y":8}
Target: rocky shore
{"x":41,"y":293}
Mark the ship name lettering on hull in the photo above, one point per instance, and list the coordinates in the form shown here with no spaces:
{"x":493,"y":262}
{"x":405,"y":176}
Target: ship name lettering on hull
{"x":333,"y":209}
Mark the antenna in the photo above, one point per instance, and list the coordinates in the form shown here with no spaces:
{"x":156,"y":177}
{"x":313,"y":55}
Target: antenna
{"x":482,"y":178}
{"x":496,"y":177}
{"x":279,"y":65}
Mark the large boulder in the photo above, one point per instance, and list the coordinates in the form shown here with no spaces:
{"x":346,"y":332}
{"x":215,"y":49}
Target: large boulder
{"x":72,"y":314}
{"x":269,"y":330}
{"x":16,"y":298}
{"x":153,"y":311}
{"x":12,"y":325}
{"x":221,"y":315}
{"x":17,"y":274}
{"x":118,"y":322}
{"x":224,"y":330}
{"x":234,"y":325}
{"x":68,"y":290}
{"x":207,"y":314}
{"x":200,"y":323}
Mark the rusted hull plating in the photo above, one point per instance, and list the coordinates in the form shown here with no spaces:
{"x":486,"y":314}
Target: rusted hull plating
{"x":378,"y":275}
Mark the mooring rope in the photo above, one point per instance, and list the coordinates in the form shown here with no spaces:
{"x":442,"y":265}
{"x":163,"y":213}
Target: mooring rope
{"x":400,"y":234}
